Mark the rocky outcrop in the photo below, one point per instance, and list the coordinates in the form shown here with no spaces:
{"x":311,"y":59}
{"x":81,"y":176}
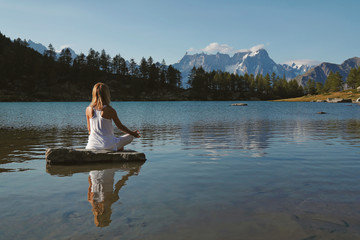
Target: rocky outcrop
{"x":339,"y":100}
{"x":63,"y":156}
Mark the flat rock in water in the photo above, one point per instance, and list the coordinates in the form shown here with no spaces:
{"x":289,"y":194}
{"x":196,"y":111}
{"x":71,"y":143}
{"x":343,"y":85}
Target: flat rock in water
{"x":339,"y":100}
{"x":63,"y":156}
{"x":239,"y":104}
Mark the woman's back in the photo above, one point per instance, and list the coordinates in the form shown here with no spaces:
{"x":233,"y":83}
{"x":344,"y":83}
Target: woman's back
{"x":100,"y":125}
{"x":101,"y":132}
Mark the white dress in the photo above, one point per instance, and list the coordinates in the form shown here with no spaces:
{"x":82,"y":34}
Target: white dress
{"x":102,"y":134}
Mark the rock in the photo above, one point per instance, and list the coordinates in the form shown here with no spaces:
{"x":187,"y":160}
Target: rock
{"x":339,"y":100}
{"x":358,"y":100}
{"x":320,"y":100}
{"x":321,"y":112}
{"x":239,"y":104}
{"x":64,"y":155}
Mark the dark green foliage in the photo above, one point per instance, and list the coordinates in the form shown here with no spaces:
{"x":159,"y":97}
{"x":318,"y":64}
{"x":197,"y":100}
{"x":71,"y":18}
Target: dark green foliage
{"x":333,"y":82}
{"x":220,"y":85}
{"x":310,"y":87}
{"x":319,"y":88}
{"x":353,"y":79}
{"x":26,"y":75}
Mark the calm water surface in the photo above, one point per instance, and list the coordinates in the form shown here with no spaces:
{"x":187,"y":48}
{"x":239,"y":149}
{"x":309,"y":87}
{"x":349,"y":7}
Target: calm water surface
{"x":266,"y":171}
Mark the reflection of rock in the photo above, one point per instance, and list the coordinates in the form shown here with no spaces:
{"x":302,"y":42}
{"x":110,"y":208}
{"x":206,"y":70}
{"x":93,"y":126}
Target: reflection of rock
{"x":75,"y":156}
{"x":339,"y":100}
{"x":69,"y":170}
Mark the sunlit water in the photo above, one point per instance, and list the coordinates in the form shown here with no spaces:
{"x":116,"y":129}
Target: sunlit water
{"x":214,"y":171}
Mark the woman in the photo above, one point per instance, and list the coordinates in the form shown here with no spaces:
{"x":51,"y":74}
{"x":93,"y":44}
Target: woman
{"x":99,"y":116}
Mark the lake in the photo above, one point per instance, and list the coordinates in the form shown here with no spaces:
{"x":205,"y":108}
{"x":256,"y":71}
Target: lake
{"x":269,"y":170}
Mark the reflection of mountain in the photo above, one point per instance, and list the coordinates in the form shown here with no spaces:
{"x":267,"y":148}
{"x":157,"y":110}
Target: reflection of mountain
{"x":253,"y":136}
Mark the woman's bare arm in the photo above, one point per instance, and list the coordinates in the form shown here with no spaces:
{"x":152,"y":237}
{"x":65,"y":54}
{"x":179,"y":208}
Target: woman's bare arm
{"x":89,"y":113}
{"x":121,"y":126}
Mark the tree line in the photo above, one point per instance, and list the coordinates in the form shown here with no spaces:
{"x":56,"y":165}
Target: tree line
{"x":26,"y":74}
{"x":334,"y":83}
{"x":219,"y":85}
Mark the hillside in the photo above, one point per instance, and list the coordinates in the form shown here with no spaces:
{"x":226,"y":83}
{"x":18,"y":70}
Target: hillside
{"x":321,"y":72}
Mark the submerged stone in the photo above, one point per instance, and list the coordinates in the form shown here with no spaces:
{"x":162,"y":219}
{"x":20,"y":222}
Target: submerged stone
{"x":63,"y":156}
{"x":239,"y":104}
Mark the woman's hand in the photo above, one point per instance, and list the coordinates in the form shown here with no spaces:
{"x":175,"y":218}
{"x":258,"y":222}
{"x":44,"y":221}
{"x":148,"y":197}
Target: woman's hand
{"x":136,"y":133}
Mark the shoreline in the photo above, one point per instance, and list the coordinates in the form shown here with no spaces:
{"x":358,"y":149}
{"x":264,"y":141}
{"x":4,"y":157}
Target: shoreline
{"x":352,"y":94}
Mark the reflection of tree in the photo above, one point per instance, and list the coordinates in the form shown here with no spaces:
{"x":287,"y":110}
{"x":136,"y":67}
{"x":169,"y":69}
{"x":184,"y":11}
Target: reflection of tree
{"x":102,"y":195}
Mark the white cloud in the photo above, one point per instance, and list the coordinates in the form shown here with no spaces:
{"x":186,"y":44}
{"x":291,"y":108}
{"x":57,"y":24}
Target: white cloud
{"x":308,"y":62}
{"x":252,"y":49}
{"x":215,"y":47}
{"x":62,"y":47}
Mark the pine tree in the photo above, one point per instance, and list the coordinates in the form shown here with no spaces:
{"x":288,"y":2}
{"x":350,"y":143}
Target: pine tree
{"x":319,"y":87}
{"x":65,"y":57}
{"x":353,"y":79}
{"x":144,"y":68}
{"x":333,"y":82}
{"x":116,"y":64}
{"x":92,"y":59}
{"x":310,"y":87}
{"x":104,"y":61}
{"x":50,"y":53}
{"x":133,"y":70}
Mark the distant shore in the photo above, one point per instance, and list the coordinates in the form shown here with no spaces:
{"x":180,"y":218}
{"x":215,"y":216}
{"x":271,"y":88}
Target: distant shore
{"x":180,"y":95}
{"x":346,"y":94}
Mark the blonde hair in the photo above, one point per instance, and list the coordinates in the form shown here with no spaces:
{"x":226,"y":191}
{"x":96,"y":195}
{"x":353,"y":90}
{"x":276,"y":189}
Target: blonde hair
{"x":100,"y":96}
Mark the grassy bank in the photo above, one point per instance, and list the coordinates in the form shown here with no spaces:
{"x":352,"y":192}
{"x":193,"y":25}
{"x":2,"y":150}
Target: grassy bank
{"x":352,"y":94}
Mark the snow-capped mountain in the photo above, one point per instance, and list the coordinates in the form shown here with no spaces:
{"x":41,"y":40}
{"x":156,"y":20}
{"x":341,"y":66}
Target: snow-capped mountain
{"x":41,"y":49}
{"x":251,"y":62}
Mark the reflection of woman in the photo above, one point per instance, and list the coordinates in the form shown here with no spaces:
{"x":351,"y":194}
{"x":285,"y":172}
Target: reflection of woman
{"x":101,"y":194}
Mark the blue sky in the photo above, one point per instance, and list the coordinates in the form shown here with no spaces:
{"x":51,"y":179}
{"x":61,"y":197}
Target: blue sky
{"x":322,"y":30}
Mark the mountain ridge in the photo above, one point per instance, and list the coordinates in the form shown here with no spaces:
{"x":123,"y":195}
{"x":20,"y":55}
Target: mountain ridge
{"x":321,"y":72}
{"x":251,"y":61}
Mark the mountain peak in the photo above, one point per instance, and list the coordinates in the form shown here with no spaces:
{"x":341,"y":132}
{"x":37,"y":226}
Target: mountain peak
{"x":252,"y":61}
{"x":41,"y":48}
